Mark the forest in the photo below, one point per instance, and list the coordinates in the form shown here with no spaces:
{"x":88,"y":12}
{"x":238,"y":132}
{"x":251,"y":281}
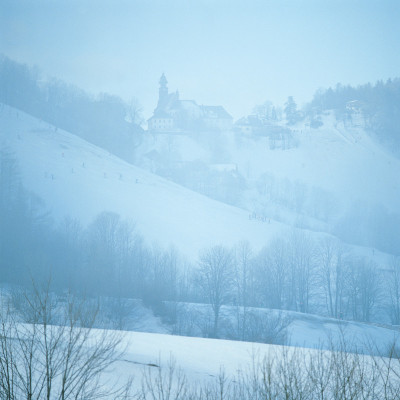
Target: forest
{"x":109,"y":258}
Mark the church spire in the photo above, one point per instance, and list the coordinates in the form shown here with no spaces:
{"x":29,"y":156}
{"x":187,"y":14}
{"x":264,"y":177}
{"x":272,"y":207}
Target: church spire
{"x":163,"y":80}
{"x":162,"y":92}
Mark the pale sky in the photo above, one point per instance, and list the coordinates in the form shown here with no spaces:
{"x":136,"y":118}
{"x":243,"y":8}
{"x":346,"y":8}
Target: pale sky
{"x":231,"y":53}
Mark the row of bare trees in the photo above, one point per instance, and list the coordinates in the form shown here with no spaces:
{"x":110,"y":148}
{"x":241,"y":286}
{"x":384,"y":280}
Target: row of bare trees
{"x":287,"y":374}
{"x":110,"y":258}
{"x":51,"y":351}
{"x":295,"y":273}
{"x":300,"y":274}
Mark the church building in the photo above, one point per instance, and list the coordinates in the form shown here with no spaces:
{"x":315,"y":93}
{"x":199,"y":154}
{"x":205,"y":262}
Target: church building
{"x":175,"y":115}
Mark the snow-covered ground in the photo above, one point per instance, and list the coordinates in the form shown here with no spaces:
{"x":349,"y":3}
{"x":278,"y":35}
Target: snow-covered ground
{"x":299,"y":329}
{"x":312,"y":331}
{"x":343,"y":160}
{"x":201,"y":360}
{"x":80,"y":180}
{"x":149,"y":338}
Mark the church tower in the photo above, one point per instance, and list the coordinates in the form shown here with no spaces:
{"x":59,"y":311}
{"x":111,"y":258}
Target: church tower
{"x":162,"y":93}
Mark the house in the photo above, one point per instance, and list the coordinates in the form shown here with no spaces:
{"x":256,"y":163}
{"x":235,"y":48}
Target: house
{"x":161,"y":121}
{"x":249,"y":125}
{"x":355,"y":106}
{"x":173,"y":115}
{"x":253,"y":127}
{"x":216,"y":117}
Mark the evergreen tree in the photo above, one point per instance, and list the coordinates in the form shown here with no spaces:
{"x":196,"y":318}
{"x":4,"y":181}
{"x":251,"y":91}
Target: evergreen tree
{"x":291,"y":112}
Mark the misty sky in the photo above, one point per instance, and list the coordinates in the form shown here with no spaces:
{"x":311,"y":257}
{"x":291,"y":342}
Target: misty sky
{"x":233,"y":53}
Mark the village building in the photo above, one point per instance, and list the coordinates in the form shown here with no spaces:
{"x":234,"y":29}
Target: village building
{"x":173,"y":115}
{"x":252,"y":126}
{"x":355,"y":106}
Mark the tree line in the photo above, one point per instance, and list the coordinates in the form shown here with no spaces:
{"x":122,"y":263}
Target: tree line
{"x":379,"y":105}
{"x":110,"y":258}
{"x":56,"y":354}
{"x":106,"y":121}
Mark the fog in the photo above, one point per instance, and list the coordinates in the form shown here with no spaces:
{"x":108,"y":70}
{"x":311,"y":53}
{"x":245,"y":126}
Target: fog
{"x":215,"y":169}
{"x":217,"y":52}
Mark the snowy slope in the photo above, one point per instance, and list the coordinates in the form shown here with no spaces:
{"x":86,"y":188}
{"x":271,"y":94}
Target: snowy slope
{"x":200,"y":359}
{"x":80,"y":180}
{"x":326,"y":178}
{"x":301,"y":329}
{"x":343,"y":160}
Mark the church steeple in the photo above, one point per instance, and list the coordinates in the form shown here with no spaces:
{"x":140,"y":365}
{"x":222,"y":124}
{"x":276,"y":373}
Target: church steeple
{"x":162,"y":92}
{"x":163,"y":80}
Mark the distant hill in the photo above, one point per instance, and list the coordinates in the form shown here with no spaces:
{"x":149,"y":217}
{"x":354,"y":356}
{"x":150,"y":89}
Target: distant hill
{"x":78,"y":179}
{"x":335,"y":178}
{"x":105,"y":120}
{"x":379,"y":105}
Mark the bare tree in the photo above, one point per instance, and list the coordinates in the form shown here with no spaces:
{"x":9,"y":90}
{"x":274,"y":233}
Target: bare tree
{"x":394,"y":290}
{"x":331,"y":259}
{"x":244,"y":282}
{"x":159,"y":383}
{"x":301,"y":251}
{"x":57,"y":354}
{"x":267,"y":327}
{"x":102,"y":251}
{"x":287,"y":373}
{"x":215,"y":278}
{"x":363,"y":288}
{"x":161,"y":279}
{"x":135,"y":111}
{"x":112,"y":245}
{"x":272,"y":274}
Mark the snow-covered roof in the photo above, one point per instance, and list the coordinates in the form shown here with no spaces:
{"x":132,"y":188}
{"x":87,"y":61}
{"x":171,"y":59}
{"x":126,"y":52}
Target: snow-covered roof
{"x":250,"y":120}
{"x":217,"y":112}
{"x":160,"y":114}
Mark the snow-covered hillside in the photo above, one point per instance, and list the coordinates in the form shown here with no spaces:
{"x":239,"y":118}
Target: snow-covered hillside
{"x":298,"y":329}
{"x":201,"y":359}
{"x":343,"y":161}
{"x":80,"y":180}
